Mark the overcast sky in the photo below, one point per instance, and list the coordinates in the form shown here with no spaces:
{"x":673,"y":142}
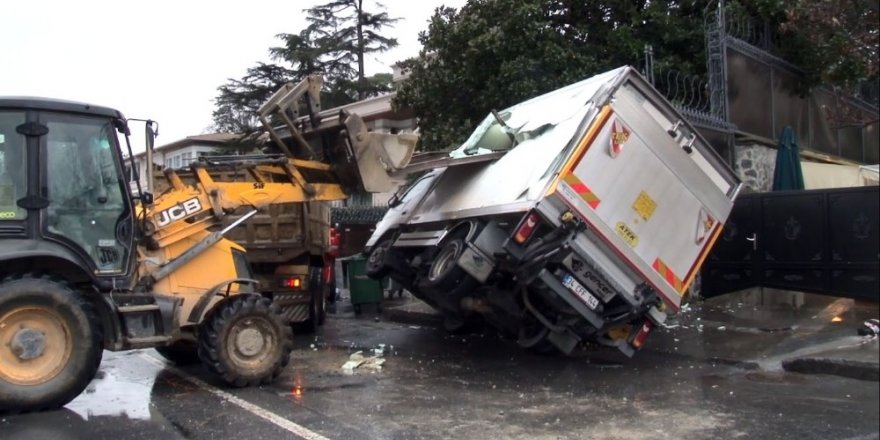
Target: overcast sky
{"x":161,"y":59}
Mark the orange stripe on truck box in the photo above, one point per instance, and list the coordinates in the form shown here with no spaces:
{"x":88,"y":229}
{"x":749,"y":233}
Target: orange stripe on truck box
{"x":582,"y":146}
{"x":669,"y":275}
{"x":583,"y":190}
{"x":703,"y":254}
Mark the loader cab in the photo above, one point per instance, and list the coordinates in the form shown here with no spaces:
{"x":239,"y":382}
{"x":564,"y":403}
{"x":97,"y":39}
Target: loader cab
{"x":64,"y":201}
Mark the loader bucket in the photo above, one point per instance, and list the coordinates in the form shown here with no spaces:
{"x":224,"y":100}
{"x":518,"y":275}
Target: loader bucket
{"x":378,"y":155}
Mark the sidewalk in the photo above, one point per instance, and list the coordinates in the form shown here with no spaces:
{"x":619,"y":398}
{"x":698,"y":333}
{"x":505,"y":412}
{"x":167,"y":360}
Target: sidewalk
{"x":820,"y":336}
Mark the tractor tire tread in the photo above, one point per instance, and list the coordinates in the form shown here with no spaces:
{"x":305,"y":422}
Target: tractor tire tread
{"x":59,"y":292}
{"x":210,"y":346}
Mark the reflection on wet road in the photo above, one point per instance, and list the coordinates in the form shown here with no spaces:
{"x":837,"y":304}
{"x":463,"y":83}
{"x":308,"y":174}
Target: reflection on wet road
{"x":118,"y":390}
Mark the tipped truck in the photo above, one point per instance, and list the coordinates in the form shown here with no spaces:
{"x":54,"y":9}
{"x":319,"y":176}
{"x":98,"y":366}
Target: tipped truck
{"x":581,"y":215}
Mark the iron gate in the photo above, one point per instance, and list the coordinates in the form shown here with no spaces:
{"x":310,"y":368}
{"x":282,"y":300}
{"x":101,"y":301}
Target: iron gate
{"x":818,"y":241}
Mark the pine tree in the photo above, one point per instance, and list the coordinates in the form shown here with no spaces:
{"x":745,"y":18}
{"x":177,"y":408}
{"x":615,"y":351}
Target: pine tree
{"x":339,"y":36}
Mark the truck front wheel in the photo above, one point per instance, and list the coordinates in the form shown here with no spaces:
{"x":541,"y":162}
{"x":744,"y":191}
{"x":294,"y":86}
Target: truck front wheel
{"x":375,"y":265}
{"x":245,"y":341}
{"x":444,"y":274}
{"x":50,"y":344}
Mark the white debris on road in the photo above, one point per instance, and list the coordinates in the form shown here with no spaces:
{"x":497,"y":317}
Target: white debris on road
{"x":358,"y":360}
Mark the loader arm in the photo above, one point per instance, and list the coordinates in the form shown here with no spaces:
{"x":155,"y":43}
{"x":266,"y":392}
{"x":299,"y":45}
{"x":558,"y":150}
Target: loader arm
{"x":186,"y":209}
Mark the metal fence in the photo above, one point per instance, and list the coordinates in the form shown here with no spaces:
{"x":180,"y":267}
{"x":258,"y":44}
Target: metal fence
{"x":749,"y":89}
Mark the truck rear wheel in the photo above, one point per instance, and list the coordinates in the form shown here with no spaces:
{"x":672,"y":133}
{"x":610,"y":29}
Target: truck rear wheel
{"x":317,"y":300}
{"x":50,"y":344}
{"x":245,"y":341}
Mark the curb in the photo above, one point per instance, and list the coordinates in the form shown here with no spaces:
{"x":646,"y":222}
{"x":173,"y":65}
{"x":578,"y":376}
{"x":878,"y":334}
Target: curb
{"x":839,"y":367}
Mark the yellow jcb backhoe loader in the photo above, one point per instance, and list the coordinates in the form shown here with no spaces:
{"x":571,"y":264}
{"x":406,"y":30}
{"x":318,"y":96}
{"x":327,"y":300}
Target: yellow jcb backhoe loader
{"x":86,"y":266}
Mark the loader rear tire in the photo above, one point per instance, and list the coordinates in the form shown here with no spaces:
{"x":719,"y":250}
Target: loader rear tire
{"x":180,"y":352}
{"x":245,"y":341}
{"x":50,"y":344}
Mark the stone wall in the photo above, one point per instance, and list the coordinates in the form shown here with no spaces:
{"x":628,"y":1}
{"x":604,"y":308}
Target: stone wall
{"x":754,"y":164}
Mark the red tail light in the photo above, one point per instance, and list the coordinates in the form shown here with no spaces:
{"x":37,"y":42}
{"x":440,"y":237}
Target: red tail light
{"x":335,"y":241}
{"x":291,"y":282}
{"x":526,"y":228}
{"x":642,"y":334}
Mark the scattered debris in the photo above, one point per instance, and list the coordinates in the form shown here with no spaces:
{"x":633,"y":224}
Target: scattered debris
{"x":358,"y":360}
{"x":871,"y":328}
{"x":354,"y":361}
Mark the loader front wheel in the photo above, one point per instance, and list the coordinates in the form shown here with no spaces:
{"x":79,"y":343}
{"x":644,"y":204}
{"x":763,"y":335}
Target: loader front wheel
{"x":245,"y":341}
{"x":50,"y":344}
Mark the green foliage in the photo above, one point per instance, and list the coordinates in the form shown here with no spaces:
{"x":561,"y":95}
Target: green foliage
{"x":495,"y":53}
{"x":833,"y":41}
{"x":839,"y":38}
{"x":340,"y":33}
{"x":239,"y":99}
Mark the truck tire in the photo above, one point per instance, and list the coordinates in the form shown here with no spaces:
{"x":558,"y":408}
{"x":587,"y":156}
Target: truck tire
{"x":330,"y":286}
{"x":180,"y":352}
{"x":444,"y":275}
{"x":245,"y":341}
{"x":50,"y":344}
{"x":317,"y":300}
{"x":375,"y":265}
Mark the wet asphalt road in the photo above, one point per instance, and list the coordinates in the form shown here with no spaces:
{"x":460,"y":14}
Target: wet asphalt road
{"x":438,"y":386}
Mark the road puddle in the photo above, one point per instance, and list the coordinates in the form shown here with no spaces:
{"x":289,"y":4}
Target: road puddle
{"x":118,"y":390}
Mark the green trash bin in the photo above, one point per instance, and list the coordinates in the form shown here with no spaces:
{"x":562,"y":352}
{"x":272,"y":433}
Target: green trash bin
{"x":361,"y":288}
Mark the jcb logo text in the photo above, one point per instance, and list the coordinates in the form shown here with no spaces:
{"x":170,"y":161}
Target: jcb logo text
{"x":178,"y":211}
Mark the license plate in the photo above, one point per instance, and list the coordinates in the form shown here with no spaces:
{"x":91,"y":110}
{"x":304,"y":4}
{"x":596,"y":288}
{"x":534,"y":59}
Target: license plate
{"x":578,"y":289}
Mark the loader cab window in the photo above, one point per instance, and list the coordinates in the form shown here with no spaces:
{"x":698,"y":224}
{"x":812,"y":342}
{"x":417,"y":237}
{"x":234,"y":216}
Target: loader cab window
{"x":13,"y":182}
{"x":85,"y":190}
